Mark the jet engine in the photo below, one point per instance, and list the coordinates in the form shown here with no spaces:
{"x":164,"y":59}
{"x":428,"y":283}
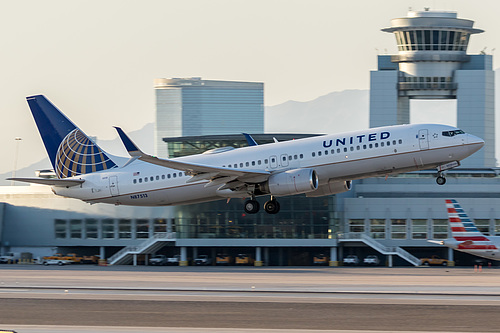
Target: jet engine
{"x":294,"y":181}
{"x":333,"y":187}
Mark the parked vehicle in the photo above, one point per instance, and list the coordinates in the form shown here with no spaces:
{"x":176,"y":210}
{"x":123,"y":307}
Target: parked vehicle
{"x":351,"y":260}
{"x":434,"y":260}
{"x":158,"y":260}
{"x":59,"y":262}
{"x":203,"y":259}
{"x":321,"y":259}
{"x":174,"y":260}
{"x":244,"y":259}
{"x":10,"y":258}
{"x":371,"y":260}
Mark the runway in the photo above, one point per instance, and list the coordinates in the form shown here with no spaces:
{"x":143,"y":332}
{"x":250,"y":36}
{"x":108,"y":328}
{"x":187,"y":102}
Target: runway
{"x":232,"y":299}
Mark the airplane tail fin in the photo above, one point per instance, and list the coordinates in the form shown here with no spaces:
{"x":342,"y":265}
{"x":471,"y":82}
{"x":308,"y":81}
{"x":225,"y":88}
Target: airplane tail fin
{"x":464,"y":230}
{"x":70,"y":151}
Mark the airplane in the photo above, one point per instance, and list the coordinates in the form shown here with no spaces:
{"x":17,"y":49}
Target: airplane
{"x":316,"y":166}
{"x":466,"y":237}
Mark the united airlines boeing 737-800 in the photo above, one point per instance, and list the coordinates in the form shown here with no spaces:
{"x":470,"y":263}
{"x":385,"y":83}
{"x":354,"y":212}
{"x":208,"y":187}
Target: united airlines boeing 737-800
{"x":316,"y":166}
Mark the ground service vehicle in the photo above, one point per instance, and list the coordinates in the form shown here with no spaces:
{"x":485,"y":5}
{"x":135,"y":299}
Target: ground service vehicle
{"x":73,"y":257}
{"x":320,"y":259}
{"x":90,"y":259}
{"x":158,"y":260}
{"x":371,"y":260}
{"x":351,"y":260}
{"x":203,"y":259}
{"x":244,"y":259}
{"x":434,"y":260}
{"x":223,"y":259}
{"x":54,"y":256}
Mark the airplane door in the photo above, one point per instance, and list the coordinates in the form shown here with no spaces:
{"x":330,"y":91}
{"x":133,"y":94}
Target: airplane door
{"x":423,"y":139}
{"x":284,"y":160}
{"x":113,"y":186}
{"x":273,"y":161}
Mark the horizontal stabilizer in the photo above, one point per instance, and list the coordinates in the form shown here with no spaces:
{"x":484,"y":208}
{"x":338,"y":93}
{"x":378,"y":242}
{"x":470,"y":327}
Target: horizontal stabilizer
{"x":50,"y":181}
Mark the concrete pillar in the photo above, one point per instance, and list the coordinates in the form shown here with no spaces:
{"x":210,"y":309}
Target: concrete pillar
{"x":146,"y":259}
{"x":451,"y":257}
{"x":183,"y":261}
{"x":102,"y":252}
{"x":169,"y":225}
{"x":258,"y":256}
{"x":333,"y":256}
{"x":389,"y":260}
{"x":135,"y":259}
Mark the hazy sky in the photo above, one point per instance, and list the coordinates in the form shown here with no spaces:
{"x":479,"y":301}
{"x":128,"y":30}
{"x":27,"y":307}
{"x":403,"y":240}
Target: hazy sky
{"x":96,"y":60}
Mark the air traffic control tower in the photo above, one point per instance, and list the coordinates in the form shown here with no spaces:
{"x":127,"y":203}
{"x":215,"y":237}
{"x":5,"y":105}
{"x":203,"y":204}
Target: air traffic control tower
{"x":432,"y":63}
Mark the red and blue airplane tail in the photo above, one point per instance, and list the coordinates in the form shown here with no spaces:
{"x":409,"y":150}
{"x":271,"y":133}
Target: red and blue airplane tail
{"x":464,"y":231}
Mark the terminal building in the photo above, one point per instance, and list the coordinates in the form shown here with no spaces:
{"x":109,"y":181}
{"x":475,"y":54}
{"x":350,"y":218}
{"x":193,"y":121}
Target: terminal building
{"x":392,"y":217}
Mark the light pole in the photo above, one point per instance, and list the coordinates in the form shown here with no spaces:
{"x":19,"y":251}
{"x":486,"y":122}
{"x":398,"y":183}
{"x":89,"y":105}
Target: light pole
{"x":17,"y":139}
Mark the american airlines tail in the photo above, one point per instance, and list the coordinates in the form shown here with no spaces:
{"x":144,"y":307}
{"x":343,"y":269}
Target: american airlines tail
{"x":466,"y":236}
{"x":71,"y":152}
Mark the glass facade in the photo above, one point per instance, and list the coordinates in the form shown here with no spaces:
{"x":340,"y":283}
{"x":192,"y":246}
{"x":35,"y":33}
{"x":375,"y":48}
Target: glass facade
{"x":398,"y":229}
{"x":432,"y":40}
{"x":440,"y":228}
{"x":299,"y":218}
{"x":483,"y":225}
{"x":191,"y":106}
{"x":419,"y":229}
{"x":377,"y":228}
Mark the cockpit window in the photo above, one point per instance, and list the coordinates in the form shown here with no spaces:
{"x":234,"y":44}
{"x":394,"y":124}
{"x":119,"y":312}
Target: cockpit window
{"x":453,"y":133}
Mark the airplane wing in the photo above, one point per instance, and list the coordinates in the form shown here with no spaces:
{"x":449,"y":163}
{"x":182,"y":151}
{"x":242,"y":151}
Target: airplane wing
{"x":216,"y":175}
{"x":51,"y":182}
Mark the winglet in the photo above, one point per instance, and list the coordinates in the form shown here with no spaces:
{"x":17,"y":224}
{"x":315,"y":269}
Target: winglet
{"x":132,"y":149}
{"x":250,"y":140}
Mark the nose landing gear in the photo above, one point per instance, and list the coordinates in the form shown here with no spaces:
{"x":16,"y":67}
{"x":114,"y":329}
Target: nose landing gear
{"x":440,"y":180}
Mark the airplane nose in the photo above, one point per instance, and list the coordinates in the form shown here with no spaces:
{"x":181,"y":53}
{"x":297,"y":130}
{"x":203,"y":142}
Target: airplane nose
{"x":474,"y":140}
{"x":475,"y":143}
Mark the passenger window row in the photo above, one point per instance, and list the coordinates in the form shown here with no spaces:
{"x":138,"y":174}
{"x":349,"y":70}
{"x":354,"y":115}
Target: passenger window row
{"x":359,"y":147}
{"x":266,"y":161}
{"x":157,"y":177}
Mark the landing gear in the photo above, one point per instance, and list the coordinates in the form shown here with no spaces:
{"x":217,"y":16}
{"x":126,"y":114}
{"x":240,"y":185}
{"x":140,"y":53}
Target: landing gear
{"x":252,"y":206}
{"x":272,"y":206}
{"x":440,"y":180}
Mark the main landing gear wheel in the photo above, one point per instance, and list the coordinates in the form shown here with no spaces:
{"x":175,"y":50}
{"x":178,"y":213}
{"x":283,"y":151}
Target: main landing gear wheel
{"x":251,"y":206}
{"x":272,"y":207}
{"x":440,"y":180}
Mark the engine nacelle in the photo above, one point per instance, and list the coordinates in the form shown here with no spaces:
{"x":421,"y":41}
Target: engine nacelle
{"x":294,"y":181}
{"x":333,"y":187}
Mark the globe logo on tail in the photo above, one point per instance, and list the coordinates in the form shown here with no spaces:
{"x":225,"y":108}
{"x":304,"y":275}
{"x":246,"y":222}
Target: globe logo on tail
{"x":77,"y":155}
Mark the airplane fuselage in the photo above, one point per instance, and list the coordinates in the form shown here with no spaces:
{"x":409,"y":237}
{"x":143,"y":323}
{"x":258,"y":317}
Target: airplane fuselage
{"x":334,"y":158}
